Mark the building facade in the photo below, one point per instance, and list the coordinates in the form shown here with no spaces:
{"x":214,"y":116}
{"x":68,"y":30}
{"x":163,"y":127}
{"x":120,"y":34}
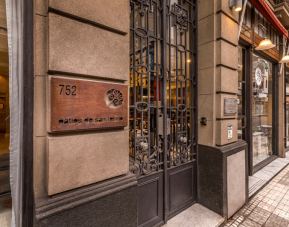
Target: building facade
{"x":128,"y":112}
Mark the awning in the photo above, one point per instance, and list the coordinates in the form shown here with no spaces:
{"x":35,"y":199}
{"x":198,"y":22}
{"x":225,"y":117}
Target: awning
{"x":265,"y":10}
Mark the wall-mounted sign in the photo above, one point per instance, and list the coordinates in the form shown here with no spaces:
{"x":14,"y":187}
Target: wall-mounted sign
{"x":230,"y":132}
{"x":82,"y":104}
{"x":230,"y":106}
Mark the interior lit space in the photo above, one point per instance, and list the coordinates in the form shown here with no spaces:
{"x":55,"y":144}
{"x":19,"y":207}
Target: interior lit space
{"x":5,"y":192}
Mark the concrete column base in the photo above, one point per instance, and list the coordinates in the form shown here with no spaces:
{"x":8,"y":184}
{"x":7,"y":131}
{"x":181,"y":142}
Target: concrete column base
{"x":223,"y":177}
{"x":108,"y":203}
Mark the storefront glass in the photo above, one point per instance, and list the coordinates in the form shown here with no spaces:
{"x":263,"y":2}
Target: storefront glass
{"x":262,"y":109}
{"x":287,"y":109}
{"x":241,"y":94}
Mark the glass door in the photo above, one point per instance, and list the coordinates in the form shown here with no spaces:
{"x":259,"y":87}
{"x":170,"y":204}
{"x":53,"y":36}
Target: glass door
{"x":262,"y":103}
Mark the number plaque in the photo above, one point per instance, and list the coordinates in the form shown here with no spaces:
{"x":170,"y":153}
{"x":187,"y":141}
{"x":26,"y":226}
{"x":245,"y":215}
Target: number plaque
{"x":86,"y":104}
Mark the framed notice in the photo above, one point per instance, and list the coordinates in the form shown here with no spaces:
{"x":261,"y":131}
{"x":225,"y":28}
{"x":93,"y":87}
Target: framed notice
{"x":86,"y":104}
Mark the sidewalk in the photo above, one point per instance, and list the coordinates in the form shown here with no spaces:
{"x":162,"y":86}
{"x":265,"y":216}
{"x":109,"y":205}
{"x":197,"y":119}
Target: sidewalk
{"x":269,"y":207}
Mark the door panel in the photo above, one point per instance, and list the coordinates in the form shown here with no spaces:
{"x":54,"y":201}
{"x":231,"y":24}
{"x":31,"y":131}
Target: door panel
{"x":182,"y":190}
{"x":150,"y":200}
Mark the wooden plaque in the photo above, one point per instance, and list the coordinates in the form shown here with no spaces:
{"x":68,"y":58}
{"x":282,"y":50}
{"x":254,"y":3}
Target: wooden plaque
{"x":80,"y":104}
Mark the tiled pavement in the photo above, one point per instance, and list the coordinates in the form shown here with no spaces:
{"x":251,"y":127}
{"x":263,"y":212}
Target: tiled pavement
{"x":269,"y":207}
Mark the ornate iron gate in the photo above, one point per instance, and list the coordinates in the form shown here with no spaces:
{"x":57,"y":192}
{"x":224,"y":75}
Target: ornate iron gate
{"x":163,"y":106}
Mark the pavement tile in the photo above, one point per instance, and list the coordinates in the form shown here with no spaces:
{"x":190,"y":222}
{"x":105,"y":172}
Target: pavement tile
{"x":250,"y":223}
{"x":268,"y":208}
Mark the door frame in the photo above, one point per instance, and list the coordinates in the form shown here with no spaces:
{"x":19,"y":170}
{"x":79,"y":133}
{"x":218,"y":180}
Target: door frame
{"x":249,"y":51}
{"x":28,"y":112}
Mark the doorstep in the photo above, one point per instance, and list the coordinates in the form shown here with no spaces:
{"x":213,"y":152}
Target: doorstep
{"x":196,"y":216}
{"x":266,"y":174}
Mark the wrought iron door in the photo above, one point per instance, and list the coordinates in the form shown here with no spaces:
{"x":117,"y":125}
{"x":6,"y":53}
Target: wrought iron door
{"x":163,"y":106}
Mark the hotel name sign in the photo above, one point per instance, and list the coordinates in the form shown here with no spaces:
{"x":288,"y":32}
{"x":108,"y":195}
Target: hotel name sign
{"x":84,"y":104}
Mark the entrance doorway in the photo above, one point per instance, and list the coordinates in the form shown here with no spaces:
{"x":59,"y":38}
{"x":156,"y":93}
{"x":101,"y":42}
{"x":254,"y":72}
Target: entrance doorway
{"x":163,"y":114}
{"x":257,"y":122}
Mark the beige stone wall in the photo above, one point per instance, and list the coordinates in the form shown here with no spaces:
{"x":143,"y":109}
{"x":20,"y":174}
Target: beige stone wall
{"x":85,"y":39}
{"x":218,"y":62}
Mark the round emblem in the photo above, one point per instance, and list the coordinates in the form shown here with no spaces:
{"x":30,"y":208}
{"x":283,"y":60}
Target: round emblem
{"x":114,"y":98}
{"x":258,"y":76}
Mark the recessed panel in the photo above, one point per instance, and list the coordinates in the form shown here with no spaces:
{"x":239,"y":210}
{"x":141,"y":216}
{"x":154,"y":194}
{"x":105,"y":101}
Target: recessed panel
{"x":150,"y":200}
{"x":181,"y":186}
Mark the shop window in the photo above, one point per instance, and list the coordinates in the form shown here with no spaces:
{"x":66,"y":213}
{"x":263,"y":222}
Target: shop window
{"x":241,"y":94}
{"x":262,"y":103}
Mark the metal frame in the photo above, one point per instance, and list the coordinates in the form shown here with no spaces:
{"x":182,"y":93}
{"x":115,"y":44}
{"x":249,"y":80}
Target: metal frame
{"x":248,"y":96}
{"x":249,"y":119}
{"x":285,"y":107}
{"x":28,"y":103}
{"x":244,"y":101}
{"x":248,"y":100}
{"x":275,"y":115}
{"x":162,"y":141}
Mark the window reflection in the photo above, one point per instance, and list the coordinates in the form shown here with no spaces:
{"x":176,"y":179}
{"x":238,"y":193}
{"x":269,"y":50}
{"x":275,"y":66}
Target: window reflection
{"x":262,"y":109}
{"x":241,"y":94}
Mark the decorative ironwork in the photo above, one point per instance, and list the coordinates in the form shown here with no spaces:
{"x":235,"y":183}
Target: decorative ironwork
{"x":115,"y":97}
{"x":181,"y":18}
{"x":146,"y":161}
{"x":162,"y":92}
{"x":182,"y":155}
{"x":144,"y":3}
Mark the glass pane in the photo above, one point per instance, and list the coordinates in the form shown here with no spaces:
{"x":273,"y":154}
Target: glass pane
{"x":240,"y":63}
{"x":248,"y":15}
{"x":262,"y":109}
{"x":241,"y":85}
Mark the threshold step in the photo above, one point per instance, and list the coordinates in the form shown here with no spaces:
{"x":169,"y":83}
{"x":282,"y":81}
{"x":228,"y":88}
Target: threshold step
{"x":196,"y":216}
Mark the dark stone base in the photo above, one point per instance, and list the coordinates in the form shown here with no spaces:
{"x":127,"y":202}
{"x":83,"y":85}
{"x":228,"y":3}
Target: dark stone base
{"x":109,"y":203}
{"x":212,"y":169}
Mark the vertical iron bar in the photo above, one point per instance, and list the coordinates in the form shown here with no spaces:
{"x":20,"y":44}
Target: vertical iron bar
{"x":285,"y":103}
{"x":177,"y":89}
{"x":170,"y":87}
{"x":148,"y":73}
{"x":194,"y":11}
{"x":164,"y":101}
{"x":156,"y":59}
{"x":134,"y":84}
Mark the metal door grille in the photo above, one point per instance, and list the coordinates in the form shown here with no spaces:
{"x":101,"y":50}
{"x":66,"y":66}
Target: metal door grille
{"x":153,"y":97}
{"x":163,"y":91}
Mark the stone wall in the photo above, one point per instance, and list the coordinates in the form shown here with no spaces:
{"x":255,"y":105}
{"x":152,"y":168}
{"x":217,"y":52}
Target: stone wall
{"x":218,"y":77}
{"x":80,"y":40}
